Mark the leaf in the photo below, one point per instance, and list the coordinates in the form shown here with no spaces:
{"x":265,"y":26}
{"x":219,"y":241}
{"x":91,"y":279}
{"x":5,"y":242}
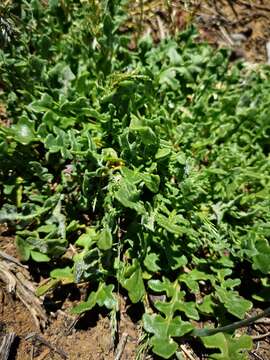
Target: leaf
{"x":103,"y":297}
{"x":128,"y":196}
{"x":134,"y":283}
{"x":86,"y":305}
{"x":150,"y":262}
{"x":146,"y":134}
{"x":40,"y":171}
{"x":42,"y":105}
{"x":192,"y":278}
{"x":168,"y":224}
{"x":162,"y":286}
{"x":235,"y":304}
{"x":39,"y":257}
{"x":151,"y":182}
{"x":87,"y":239}
{"x":167,"y":77}
{"x":163,"y":347}
{"x":24,"y":131}
{"x":107,"y":298}
{"x":105,"y":239}
{"x":163,"y":153}
{"x":177,"y":303}
{"x":207,"y":306}
{"x":261,"y":260}
{"x":64,"y":274}
{"x":49,"y":285}
{"x":230,"y":347}
{"x":23,"y":248}
{"x":164,"y":330}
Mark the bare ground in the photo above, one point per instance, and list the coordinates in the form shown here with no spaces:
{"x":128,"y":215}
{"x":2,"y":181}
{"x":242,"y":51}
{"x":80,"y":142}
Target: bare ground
{"x":242,"y":25}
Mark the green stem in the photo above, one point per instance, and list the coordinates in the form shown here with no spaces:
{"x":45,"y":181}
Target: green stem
{"x":230,"y":327}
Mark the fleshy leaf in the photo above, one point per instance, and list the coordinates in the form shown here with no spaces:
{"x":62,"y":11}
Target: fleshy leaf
{"x":230,"y":347}
{"x":261,"y":260}
{"x":103,"y":297}
{"x":150,"y":262}
{"x":39,"y":257}
{"x":164,"y":329}
{"x":24,"y":131}
{"x":162,"y":286}
{"x":134,"y":283}
{"x":105,"y":239}
{"x":128,"y":196}
{"x":235,"y":304}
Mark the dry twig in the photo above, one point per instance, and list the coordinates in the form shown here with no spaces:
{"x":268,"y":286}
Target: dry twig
{"x":121,"y":346}
{"x":34,"y":337}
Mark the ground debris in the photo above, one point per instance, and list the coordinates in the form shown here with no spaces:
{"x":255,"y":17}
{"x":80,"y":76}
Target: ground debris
{"x":37,"y":338}
{"x":218,"y":22}
{"x":17,"y":282}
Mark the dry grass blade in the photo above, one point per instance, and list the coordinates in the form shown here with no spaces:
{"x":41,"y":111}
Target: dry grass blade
{"x":5,"y":347}
{"x":187,"y":352}
{"x":260,"y":337}
{"x":17,"y":282}
{"x":265,"y":321}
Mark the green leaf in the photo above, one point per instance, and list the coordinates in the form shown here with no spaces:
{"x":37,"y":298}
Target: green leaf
{"x":106,"y":297}
{"x":163,"y":153}
{"x":177,"y":303}
{"x":192,"y":278}
{"x":105,"y":239}
{"x":164,"y":347}
{"x":207,"y":306}
{"x":164,"y":330}
{"x":134,"y":283}
{"x":261,"y":260}
{"x":49,"y":285}
{"x":87,"y":239}
{"x":151,"y":182}
{"x":128,"y":196}
{"x":146,"y":134}
{"x":235,"y":304}
{"x":42,"y":105}
{"x":39,"y":257}
{"x":85,"y":306}
{"x":64,"y":274}
{"x":162,"y":286}
{"x":169,"y":225}
{"x":230,"y":347}
{"x":40,"y":171}
{"x":150,"y":262}
{"x":103,"y":297}
{"x":24,"y":131}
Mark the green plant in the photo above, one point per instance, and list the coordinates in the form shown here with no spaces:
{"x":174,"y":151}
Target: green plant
{"x":153,"y":164}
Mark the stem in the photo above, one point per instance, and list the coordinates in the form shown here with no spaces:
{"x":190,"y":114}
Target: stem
{"x":230,"y":327}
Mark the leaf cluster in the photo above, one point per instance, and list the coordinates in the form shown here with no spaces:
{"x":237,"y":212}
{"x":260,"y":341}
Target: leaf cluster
{"x":152,"y":165}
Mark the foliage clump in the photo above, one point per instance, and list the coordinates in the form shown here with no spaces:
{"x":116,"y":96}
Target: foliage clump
{"x":153,"y":164}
